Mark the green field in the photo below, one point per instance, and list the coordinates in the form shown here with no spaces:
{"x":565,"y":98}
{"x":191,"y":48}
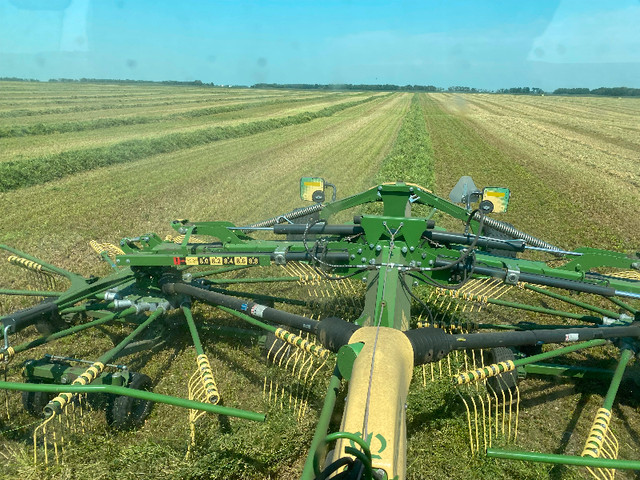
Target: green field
{"x":100,"y":162}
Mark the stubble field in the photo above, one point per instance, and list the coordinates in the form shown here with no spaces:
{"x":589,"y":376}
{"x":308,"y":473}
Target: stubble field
{"x":229,"y":154}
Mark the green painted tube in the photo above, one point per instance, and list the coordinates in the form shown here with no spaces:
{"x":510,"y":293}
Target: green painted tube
{"x":248,"y":319}
{"x":559,"y":351}
{"x":364,"y":456}
{"x":572,"y":371}
{"x":217,"y":271}
{"x":564,"y":459}
{"x":625,"y":356}
{"x":54,"y":405}
{"x":132,"y":392}
{"x":548,"y":311}
{"x":48,"y":266}
{"x":30,"y":293}
{"x":621,"y":304}
{"x":63,"y":333}
{"x":108,"y":356}
{"x":323,"y":425}
{"x":572,"y":301}
{"x":192,"y":328}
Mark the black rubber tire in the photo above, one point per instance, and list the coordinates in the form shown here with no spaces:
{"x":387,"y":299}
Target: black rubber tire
{"x":34,"y":402}
{"x":127,"y":413}
{"x":505,"y":381}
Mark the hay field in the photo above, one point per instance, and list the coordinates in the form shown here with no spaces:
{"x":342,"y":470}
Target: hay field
{"x":569,"y":162}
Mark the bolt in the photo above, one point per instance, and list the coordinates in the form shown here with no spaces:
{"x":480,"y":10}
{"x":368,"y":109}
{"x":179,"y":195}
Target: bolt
{"x":431,"y":262}
{"x":415,"y":283}
{"x":117,"y":260}
{"x":411,"y":189}
{"x":379,"y":188}
{"x":363,"y":260}
{"x":359,"y":251}
{"x":128,"y":261}
{"x":404,"y":250}
{"x":371,"y":245}
{"x":372,"y":261}
{"x":424,"y":255}
{"x":412,"y":248}
{"x":352,"y":257}
{"x":378,"y":248}
{"x":364,"y":279}
{"x":419,"y":264}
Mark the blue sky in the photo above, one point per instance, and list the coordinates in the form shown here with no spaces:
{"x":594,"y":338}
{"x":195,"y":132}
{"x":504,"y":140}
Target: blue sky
{"x":484,"y":44}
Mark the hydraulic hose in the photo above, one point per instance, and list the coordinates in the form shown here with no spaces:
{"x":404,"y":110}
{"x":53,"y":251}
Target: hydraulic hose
{"x":241,"y":305}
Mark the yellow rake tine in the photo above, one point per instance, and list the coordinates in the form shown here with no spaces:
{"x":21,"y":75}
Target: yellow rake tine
{"x":475,"y":413}
{"x":468,"y":419}
{"x":43,"y":427}
{"x":515,"y":435}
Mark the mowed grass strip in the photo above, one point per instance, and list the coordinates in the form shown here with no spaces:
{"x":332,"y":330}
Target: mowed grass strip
{"x":555,"y":172}
{"x":20,"y":148}
{"x":411,"y":158}
{"x":44,"y":100}
{"x":34,"y":171}
{"x":99,"y":123}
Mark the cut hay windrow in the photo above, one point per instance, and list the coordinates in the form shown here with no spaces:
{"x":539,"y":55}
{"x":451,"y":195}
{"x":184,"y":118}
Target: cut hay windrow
{"x":79,"y":126}
{"x":411,"y":155}
{"x":35,"y":171}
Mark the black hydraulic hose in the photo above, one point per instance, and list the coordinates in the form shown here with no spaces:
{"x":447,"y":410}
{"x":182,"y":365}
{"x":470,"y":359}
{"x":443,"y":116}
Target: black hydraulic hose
{"x":541,"y":280}
{"x":537,"y":337}
{"x":245,"y":306}
{"x":301,"y":228}
{"x":431,"y":344}
{"x":332,"y":257}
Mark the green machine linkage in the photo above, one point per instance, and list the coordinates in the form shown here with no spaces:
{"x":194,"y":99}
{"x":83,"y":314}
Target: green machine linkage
{"x":414,"y":292}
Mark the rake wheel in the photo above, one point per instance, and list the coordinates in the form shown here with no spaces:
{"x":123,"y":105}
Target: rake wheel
{"x":126,"y":413}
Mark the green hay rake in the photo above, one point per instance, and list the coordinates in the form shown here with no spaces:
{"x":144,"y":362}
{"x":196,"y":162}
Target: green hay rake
{"x":376,"y":301}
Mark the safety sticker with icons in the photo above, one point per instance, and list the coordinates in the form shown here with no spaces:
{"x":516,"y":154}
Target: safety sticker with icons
{"x":218,"y":260}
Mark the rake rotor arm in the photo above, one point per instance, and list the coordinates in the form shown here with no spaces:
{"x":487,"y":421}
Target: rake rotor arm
{"x":254,"y":309}
{"x":431,"y":344}
{"x":24,"y":318}
{"x":549,"y":281}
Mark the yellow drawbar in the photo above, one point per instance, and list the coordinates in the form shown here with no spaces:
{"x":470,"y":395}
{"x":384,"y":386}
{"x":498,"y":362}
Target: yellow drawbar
{"x":383,"y":385}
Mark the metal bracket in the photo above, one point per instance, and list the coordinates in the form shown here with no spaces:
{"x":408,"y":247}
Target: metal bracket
{"x":279,"y":255}
{"x":513,"y":275}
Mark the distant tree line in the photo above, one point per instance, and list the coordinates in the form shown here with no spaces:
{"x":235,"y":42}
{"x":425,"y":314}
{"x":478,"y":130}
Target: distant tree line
{"x":605,"y":91}
{"x":348,"y":86}
{"x":521,"y":90}
{"x":197,"y":83}
{"x":16,"y":79}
